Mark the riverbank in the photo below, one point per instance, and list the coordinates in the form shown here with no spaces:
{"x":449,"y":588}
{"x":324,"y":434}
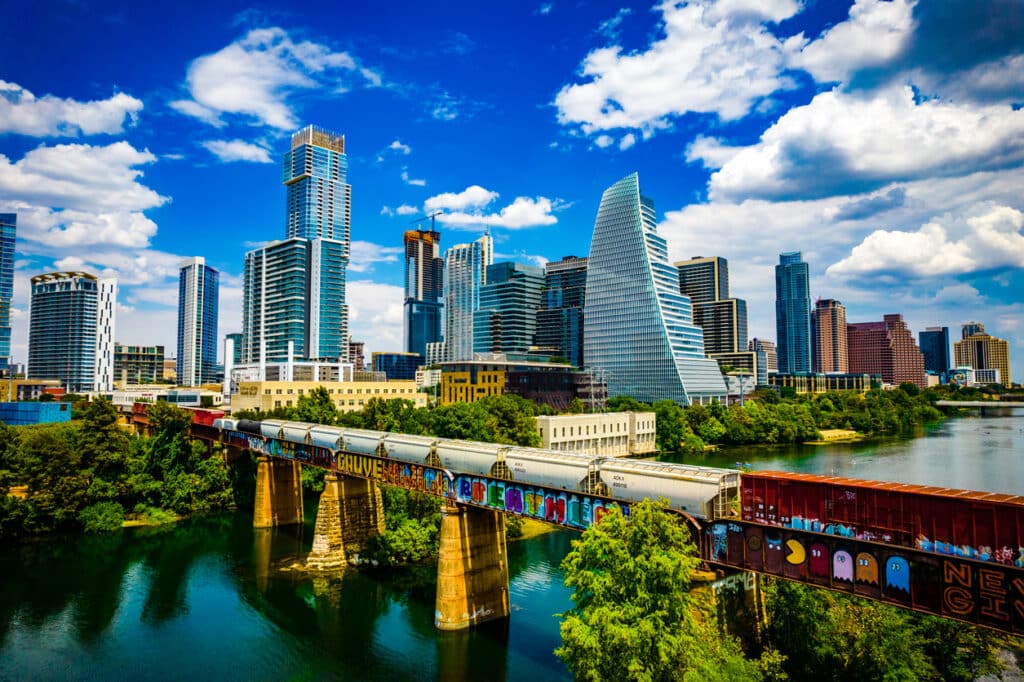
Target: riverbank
{"x":837,"y":436}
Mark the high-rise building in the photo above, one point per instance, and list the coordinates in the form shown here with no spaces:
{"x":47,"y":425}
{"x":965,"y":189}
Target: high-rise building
{"x":638,"y":328}
{"x":465,"y":267}
{"x":357,"y":354}
{"x":506,"y":321}
{"x":197,"y":322}
{"x":886,"y":348}
{"x":560,"y":319}
{"x":723,"y":319}
{"x":934,"y":343}
{"x":397,"y":366}
{"x":771,"y":357}
{"x":971,"y":328}
{"x":293,"y":299}
{"x":793,"y":314}
{"x":8,"y":225}
{"x":71,"y":330}
{"x":138,"y":364}
{"x":981,"y":351}
{"x":236,"y":347}
{"x":704,"y":279}
{"x":424,"y":286}
{"x":829,"y":346}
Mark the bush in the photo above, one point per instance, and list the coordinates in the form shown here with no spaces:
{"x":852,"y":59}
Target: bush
{"x":102,"y":517}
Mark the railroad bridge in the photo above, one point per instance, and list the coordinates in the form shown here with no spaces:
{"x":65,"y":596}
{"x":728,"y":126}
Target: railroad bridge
{"x":952,"y":553}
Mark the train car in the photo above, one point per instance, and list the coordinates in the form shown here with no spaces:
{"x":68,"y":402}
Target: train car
{"x":329,"y":437}
{"x":467,"y":457}
{"x":361,"y":441}
{"x":703,"y":492}
{"x":549,"y":468}
{"x":979,"y":525}
{"x":226,"y":423}
{"x":410,"y":448}
{"x":250,"y":426}
{"x":204,"y":416}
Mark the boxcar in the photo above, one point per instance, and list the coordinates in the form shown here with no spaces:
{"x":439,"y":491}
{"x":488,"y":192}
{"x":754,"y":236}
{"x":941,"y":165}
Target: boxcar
{"x":467,"y":457}
{"x":326,"y":436}
{"x":548,"y":468}
{"x":704,"y":492}
{"x":409,"y":448}
{"x":361,"y":441}
{"x":979,"y":525}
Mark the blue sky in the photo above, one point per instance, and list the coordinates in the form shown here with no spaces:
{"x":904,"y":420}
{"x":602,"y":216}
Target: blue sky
{"x":885,"y":140}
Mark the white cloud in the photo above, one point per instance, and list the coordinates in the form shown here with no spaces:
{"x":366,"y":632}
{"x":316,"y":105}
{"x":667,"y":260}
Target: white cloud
{"x":416,"y":182}
{"x":991,"y":238}
{"x":603,"y":141}
{"x":23,"y":113}
{"x":545,"y":8}
{"x":521,"y":213}
{"x":473,"y":196}
{"x":400,"y":148}
{"x":375,"y":314}
{"x":238,"y":150}
{"x":610,"y":27}
{"x":406,"y":209}
{"x":710,"y":152}
{"x":627,"y":141}
{"x":363,"y":255}
{"x":253,"y":76}
{"x":714,"y":59}
{"x":844,"y":143}
{"x":875,"y":34}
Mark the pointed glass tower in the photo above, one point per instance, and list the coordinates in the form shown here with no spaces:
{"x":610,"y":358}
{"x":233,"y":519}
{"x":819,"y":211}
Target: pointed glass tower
{"x":638,"y":327}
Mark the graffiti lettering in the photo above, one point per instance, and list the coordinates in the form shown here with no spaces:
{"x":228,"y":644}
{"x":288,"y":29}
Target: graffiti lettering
{"x":957,"y":601}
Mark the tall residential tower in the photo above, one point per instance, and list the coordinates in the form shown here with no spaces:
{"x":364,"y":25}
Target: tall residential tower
{"x":560,"y":319}
{"x":197,"y":322}
{"x":793,"y":314}
{"x":424,"y":286}
{"x":829,"y":345}
{"x":465,"y":274}
{"x":8,"y":224}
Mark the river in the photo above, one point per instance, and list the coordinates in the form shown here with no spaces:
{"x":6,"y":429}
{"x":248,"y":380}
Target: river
{"x":203,"y":599}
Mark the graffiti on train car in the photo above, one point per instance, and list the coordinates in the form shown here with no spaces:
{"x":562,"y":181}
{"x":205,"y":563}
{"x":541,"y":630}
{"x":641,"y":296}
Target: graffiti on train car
{"x":418,"y":477}
{"x":563,"y":507}
{"x":961,"y":588}
{"x":272,"y":447}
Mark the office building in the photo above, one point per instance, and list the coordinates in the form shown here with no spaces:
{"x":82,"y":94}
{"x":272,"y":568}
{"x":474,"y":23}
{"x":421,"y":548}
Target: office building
{"x":611,"y":434}
{"x":970,"y":329}
{"x":138,"y":364}
{"x":793,"y":314}
{"x":560,"y":319}
{"x":934,"y":343}
{"x":887,"y":349}
{"x":8,"y":227}
{"x":465,"y":274}
{"x":723,"y":319}
{"x":71,"y":330}
{"x":751,"y":362}
{"x":197,"y":322}
{"x":823,"y":383}
{"x":347,"y":396}
{"x":638,"y":327}
{"x":236,"y":348}
{"x":293,"y":300}
{"x":424,"y":286}
{"x":545,"y":383}
{"x":704,"y":279}
{"x":983,"y":352}
{"x":397,"y":366}
{"x":506,"y":321}
{"x":829,"y":345}
{"x":771,"y":356}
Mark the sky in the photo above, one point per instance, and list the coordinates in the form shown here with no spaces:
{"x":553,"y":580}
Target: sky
{"x":883,"y":140}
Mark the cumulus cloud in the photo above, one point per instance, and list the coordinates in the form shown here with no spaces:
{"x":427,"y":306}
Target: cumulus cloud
{"x":396,"y":147}
{"x":711,"y":152}
{"x":873,"y":205}
{"x":473,"y":196}
{"x":375,"y":314}
{"x":416,"y":182}
{"x":713,"y":58}
{"x":986,"y":240}
{"x":406,"y":209}
{"x":238,"y":150}
{"x":253,"y":77}
{"x":363,"y":255}
{"x":845,"y":143}
{"x":523,"y":212}
{"x":48,"y":116}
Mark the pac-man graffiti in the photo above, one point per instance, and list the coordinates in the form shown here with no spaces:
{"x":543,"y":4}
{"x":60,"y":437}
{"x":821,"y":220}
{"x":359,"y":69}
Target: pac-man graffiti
{"x":867,"y":569}
{"x":897,"y":573}
{"x":842,"y":566}
{"x":797,"y":554}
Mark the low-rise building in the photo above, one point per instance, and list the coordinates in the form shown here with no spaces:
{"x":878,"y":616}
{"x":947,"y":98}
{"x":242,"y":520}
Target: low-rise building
{"x":823,"y":383}
{"x":613,"y":434}
{"x":542,"y":382}
{"x":12,"y":390}
{"x":138,"y":364}
{"x":26,"y":413}
{"x":347,"y":396}
{"x":124,"y":398}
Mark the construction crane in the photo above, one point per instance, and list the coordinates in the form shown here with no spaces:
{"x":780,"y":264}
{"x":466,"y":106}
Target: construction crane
{"x":432,"y":217}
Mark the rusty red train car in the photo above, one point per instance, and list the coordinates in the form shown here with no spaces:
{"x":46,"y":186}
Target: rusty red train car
{"x":205,"y":416}
{"x":965,"y":523}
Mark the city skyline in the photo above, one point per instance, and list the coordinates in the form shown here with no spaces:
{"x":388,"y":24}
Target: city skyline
{"x":123,"y":160}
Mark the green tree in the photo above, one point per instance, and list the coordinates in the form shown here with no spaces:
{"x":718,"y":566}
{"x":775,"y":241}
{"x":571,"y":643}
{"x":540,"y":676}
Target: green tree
{"x":317,"y":406}
{"x":576,"y":406}
{"x":634,"y":617}
{"x":467,"y":421}
{"x":104,"y":447}
{"x":511,"y":419}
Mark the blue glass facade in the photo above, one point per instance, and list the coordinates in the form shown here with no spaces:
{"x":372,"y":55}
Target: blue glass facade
{"x":465,"y":274}
{"x":638,"y":328}
{"x":560,"y":320}
{"x":398,"y":366}
{"x":793,"y":314}
{"x":424,"y":286}
{"x":198,"y":289}
{"x":8,"y":226}
{"x":934,"y":343}
{"x":63,"y":329}
{"x":506,"y":321}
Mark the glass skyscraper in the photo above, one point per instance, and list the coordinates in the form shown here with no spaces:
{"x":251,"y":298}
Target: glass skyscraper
{"x":638,"y":328}
{"x":465,"y":274}
{"x":197,"y":322}
{"x":294,"y":290}
{"x":506,"y":321}
{"x":8,"y":225}
{"x":793,"y":314}
{"x":560,"y":319}
{"x":71,"y":330}
{"x":424,"y":286}
{"x":934,"y":344}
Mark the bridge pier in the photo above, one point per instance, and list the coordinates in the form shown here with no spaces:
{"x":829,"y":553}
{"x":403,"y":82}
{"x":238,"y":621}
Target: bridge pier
{"x":361,"y":510}
{"x":328,"y":545}
{"x":472,"y":568}
{"x":278,"y":493}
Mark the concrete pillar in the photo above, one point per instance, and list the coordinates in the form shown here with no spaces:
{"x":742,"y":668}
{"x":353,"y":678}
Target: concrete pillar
{"x":328,"y":547}
{"x":278,"y":493}
{"x":362,"y":511}
{"x":472,"y":568}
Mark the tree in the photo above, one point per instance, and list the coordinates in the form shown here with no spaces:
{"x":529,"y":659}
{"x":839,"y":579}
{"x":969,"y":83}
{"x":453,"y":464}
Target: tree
{"x":634,"y":617}
{"x":317,"y":407}
{"x":911,"y":389}
{"x":511,"y":419}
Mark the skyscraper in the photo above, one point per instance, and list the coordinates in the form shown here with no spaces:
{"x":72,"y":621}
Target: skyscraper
{"x":465,"y":274}
{"x":723,"y":319}
{"x":506,"y":320}
{"x":886,"y":348}
{"x":197,"y":322}
{"x":560,"y":319}
{"x":934,"y":343}
{"x":294,"y":290}
{"x":971,"y":328}
{"x":704,"y":279}
{"x":771,"y":356}
{"x":981,"y":351}
{"x":71,"y":330}
{"x":424,"y":286}
{"x":829,"y":345}
{"x":793,"y":314}
{"x":638,"y":327}
{"x":8,"y":225}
